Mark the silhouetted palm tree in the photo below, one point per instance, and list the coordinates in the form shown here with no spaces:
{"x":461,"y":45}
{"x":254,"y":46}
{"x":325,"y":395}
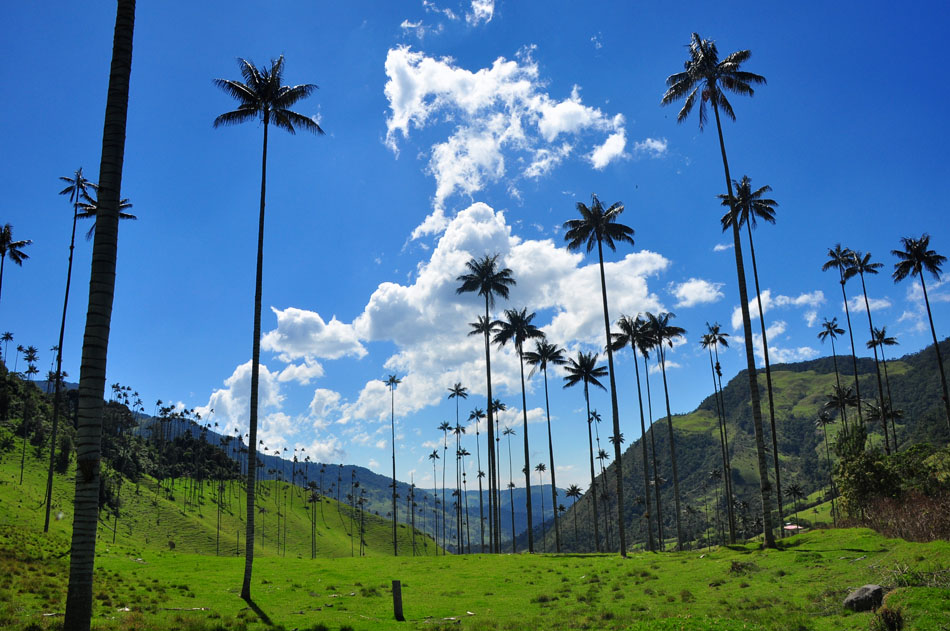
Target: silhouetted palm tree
{"x":880,"y":340}
{"x":11,"y":248}
{"x":796,"y":493}
{"x":486,"y":279}
{"x":261,"y":97}
{"x":509,"y":432}
{"x":540,"y":468}
{"x":745,"y":207}
{"x":840,"y":258}
{"x":914,"y":259}
{"x":823,"y":421}
{"x":574,"y":492}
{"x":585,"y":370}
{"x":477,"y":415}
{"x":542,"y":355}
{"x":517,"y":328}
{"x":92,"y":377}
{"x":831,"y":330}
{"x":391,"y":382}
{"x":705,"y":76}
{"x":599,"y":226}
{"x":90,"y":207}
{"x":445,"y":428}
{"x":860,"y":265}
{"x":458,"y":430}
{"x":665,"y":333}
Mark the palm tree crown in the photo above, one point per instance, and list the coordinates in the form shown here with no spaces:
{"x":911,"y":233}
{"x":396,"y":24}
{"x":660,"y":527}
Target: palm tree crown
{"x":516,"y":327}
{"x":703,"y":73}
{"x":916,"y":257}
{"x":749,"y":205}
{"x":11,"y":248}
{"x":597,"y":225}
{"x":584,"y":370}
{"x":485,"y":279}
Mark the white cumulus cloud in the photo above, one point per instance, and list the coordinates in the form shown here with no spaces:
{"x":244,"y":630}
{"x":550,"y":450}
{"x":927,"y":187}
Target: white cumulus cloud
{"x":696,"y":291}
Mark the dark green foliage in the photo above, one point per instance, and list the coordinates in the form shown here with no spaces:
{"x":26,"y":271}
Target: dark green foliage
{"x":64,"y":454}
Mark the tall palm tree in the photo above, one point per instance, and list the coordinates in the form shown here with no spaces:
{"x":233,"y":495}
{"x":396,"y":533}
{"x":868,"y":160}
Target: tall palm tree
{"x":89,"y":207}
{"x":585,"y":370}
{"x":574,"y":492}
{"x":458,"y":430}
{"x":645,"y":342}
{"x":261,"y":97}
{"x":665,"y":333}
{"x":445,"y":428}
{"x":92,"y":377}
{"x":861,"y":264}
{"x":391,"y":382}
{"x":705,"y":76}
{"x":497,"y":407}
{"x":599,"y":226}
{"x":462,"y":454}
{"x":796,"y":493}
{"x":541,"y":468}
{"x":517,"y":328}
{"x":823,"y":421}
{"x":477,"y":415}
{"x":913,"y":260}
{"x":745,"y":207}
{"x":880,"y":340}
{"x":485,"y":278}
{"x":11,"y":248}
{"x":509,"y":432}
{"x":30,"y":357}
{"x":631,"y":331}
{"x":545,"y":353}
{"x":831,"y":330}
{"x":840,"y":258}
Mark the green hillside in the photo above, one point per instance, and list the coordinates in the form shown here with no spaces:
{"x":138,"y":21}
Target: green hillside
{"x":800,"y":390}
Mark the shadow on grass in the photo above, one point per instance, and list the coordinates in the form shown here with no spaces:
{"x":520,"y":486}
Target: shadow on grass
{"x":260,"y":612}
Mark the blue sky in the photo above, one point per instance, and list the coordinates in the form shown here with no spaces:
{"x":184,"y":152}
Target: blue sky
{"x":455,"y":129}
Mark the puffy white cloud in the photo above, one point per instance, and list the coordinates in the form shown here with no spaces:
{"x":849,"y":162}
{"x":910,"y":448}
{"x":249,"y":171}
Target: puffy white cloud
{"x":301,"y":373}
{"x":232,"y":403}
{"x":856,"y":304}
{"x":806,"y":300}
{"x":695,"y":291}
{"x":653,"y":147}
{"x":482,"y":11}
{"x":304,"y":334}
{"x":611,"y":150}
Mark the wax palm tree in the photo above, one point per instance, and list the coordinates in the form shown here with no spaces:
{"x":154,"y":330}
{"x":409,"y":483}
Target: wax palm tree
{"x":462,"y":454}
{"x":914,"y":259}
{"x":517,"y":328}
{"x":391,"y":382}
{"x":509,"y":432}
{"x":11,"y":248}
{"x":458,"y":430}
{"x":830,"y":331}
{"x":795,"y":493}
{"x":541,"y":468}
{"x":880,"y":340}
{"x":840,"y":258}
{"x":705,"y":76}
{"x":861,"y":264}
{"x":645,"y":342}
{"x":714,"y":338}
{"x":30,"y":357}
{"x":574,"y":492}
{"x":585,"y":370}
{"x":261,"y":97}
{"x":89,"y":207}
{"x":485,"y":278}
{"x":92,"y":377}
{"x":745,"y":207}
{"x":665,"y":333}
{"x":631,"y":331}
{"x":477,"y":415}
{"x":840,"y":399}
{"x":545,"y":353}
{"x":599,"y":226}
{"x":497,"y":407}
{"x":445,"y":428}
{"x":822,"y":422}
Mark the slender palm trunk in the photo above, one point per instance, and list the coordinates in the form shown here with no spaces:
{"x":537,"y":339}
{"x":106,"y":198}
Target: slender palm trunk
{"x":854,"y":357}
{"x":661,"y":356}
{"x":841,"y":407}
{"x":831,"y":478}
{"x":481,"y":510}
{"x":59,"y":363}
{"x":3,"y":259}
{"x":494,"y":521}
{"x":541,"y":488}
{"x":933,"y":332}
{"x":392,"y":425}
{"x":614,"y":409}
{"x":527,"y":462}
{"x":724,"y":441}
{"x":593,"y":478}
{"x":765,"y":488}
{"x":511,"y":497}
{"x":877,"y":367}
{"x":92,"y":376}
{"x":656,"y":469}
{"x":468,"y":532}
{"x":768,"y":381}
{"x":557,"y":521}
{"x":255,"y":380}
{"x":445,"y":451}
{"x":646,"y":465}
{"x":890,"y":401}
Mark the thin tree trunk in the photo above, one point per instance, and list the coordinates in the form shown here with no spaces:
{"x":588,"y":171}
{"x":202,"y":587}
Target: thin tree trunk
{"x":877,"y":367}
{"x":478,"y":474}
{"x":854,"y":357}
{"x":646,"y":464}
{"x":92,"y":376}
{"x":614,"y":408}
{"x":492,"y":482}
{"x":724,"y":442}
{"x":656,"y":469}
{"x":765,"y":488}
{"x":669,"y":421}
{"x":392,"y":418}
{"x":593,"y":480}
{"x":557,"y":522}
{"x":768,"y":381}
{"x":933,"y":332}
{"x":255,"y":381}
{"x":890,"y":401}
{"x":527,"y":463}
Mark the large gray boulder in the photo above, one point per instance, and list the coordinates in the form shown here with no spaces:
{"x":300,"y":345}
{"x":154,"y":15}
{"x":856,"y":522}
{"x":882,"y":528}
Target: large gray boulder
{"x":865,"y":598}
